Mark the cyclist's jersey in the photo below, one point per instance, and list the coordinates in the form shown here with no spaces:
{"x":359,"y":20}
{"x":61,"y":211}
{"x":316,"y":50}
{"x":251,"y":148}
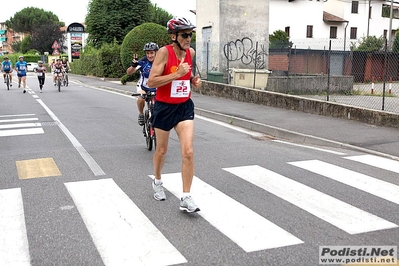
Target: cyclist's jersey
{"x":145,"y":68}
{"x":65,"y":65}
{"x":21,"y":67}
{"x":57,"y":68}
{"x":7,"y":65}
{"x":177,"y":91}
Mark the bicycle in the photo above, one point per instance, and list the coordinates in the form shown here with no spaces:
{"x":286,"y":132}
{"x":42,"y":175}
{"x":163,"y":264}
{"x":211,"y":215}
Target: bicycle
{"x":7,"y":79}
{"x":148,"y":130}
{"x":65,"y":79}
{"x":59,"y":81}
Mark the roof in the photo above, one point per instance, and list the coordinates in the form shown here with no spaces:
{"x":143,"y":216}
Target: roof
{"x":327,"y":17}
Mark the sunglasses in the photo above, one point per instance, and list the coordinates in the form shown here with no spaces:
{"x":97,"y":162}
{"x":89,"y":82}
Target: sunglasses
{"x":186,"y":35}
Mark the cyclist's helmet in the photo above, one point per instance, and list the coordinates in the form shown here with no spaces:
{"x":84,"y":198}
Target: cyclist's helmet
{"x":178,"y":24}
{"x":40,"y":62}
{"x":151,"y":46}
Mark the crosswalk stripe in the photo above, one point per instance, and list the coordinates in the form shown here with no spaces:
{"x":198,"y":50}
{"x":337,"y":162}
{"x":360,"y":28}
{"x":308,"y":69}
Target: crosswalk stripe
{"x":18,"y":120}
{"x":22,"y":131}
{"x":246,"y":228}
{"x":338,"y":213}
{"x":118,"y":227}
{"x":14,"y":248}
{"x":374,"y":186}
{"x":376,"y":161}
{"x":22,"y":125}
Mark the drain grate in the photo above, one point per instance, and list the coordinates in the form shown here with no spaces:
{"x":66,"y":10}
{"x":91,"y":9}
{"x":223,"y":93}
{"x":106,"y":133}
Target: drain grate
{"x":49,"y":124}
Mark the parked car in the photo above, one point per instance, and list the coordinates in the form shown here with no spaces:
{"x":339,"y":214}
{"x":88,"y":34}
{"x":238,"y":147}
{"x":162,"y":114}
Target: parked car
{"x":32,"y":66}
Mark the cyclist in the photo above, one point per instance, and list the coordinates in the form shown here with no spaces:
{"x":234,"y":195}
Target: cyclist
{"x":66,"y":66}
{"x":58,"y":68}
{"x":6,"y":68}
{"x":144,"y":65}
{"x":21,"y":66}
{"x":41,"y":74}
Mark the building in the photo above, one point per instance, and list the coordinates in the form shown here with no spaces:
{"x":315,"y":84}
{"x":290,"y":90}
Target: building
{"x":310,"y":23}
{"x":8,"y":37}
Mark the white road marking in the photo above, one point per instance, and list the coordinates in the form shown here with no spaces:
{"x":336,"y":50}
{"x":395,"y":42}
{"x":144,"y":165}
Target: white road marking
{"x":14,"y":247}
{"x":16,"y":115}
{"x":309,"y":147}
{"x":122,"y":234}
{"x":20,"y":125}
{"x":377,"y":161}
{"x":22,"y":131}
{"x":18,"y":120}
{"x":338,"y":213}
{"x":374,"y":186}
{"x":246,"y":228}
{"x":95,"y":168}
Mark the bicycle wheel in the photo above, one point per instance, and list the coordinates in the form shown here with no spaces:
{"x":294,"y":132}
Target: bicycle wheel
{"x":59,"y":84}
{"x":148,"y":137}
{"x":8,"y":82}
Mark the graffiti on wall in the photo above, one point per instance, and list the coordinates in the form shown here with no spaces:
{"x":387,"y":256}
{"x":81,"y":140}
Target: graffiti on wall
{"x":244,"y":50}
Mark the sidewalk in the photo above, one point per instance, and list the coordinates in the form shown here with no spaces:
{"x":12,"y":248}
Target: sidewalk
{"x":284,"y":124}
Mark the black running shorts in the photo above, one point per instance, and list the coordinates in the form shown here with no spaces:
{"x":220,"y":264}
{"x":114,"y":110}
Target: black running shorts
{"x":166,"y":116}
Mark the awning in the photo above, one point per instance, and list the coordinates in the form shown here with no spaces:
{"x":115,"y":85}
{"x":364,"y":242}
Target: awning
{"x":3,"y":39}
{"x":2,"y":32}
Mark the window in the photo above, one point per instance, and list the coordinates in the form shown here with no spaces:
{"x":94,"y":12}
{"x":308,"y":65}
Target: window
{"x":287,"y":30}
{"x":353,"y":33}
{"x":333,"y":32}
{"x":355,"y":7}
{"x":309,"y":31}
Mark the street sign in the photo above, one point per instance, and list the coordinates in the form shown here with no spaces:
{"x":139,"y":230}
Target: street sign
{"x":55,"y":45}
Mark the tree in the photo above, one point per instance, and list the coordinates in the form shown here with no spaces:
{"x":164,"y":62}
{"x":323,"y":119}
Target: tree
{"x":279,"y":40}
{"x":42,"y":27}
{"x":371,"y":44}
{"x":395,"y":46}
{"x":107,"y":20}
{"x":136,"y":39}
{"x":159,"y":15}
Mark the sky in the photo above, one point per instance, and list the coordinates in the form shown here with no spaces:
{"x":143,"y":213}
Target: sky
{"x":70,"y":11}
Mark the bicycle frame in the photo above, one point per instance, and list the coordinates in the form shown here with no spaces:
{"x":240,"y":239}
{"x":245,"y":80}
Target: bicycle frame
{"x":8,"y":81}
{"x":148,"y":130}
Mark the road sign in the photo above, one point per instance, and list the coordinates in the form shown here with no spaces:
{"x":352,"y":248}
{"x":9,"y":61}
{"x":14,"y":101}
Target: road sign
{"x":55,"y":45}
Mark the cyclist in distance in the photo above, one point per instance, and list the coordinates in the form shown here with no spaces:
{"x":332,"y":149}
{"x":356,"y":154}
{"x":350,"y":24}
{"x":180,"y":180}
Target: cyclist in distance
{"x":21,"y":67}
{"x":58,"y":68}
{"x":144,"y":65}
{"x":66,"y":65}
{"x":172,"y":75}
{"x":6,"y":67}
{"x":41,"y":74}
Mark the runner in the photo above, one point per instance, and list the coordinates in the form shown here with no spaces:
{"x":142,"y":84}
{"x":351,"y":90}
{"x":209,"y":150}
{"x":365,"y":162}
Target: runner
{"x":172,"y":76}
{"x":21,"y":66}
{"x":41,"y":74}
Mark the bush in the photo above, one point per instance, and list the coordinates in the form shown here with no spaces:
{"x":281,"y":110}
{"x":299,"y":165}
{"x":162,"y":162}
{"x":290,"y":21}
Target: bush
{"x":135,"y":40}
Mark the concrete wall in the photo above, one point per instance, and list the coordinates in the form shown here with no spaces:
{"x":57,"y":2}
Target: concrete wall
{"x":296,"y":103}
{"x":309,"y":84}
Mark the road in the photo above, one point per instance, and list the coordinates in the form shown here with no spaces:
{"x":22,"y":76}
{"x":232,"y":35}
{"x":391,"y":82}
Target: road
{"x":75,"y":189}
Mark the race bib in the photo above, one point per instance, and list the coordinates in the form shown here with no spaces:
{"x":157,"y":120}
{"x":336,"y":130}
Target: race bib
{"x":22,"y":68}
{"x":180,"y":88}
{"x":39,"y":74}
